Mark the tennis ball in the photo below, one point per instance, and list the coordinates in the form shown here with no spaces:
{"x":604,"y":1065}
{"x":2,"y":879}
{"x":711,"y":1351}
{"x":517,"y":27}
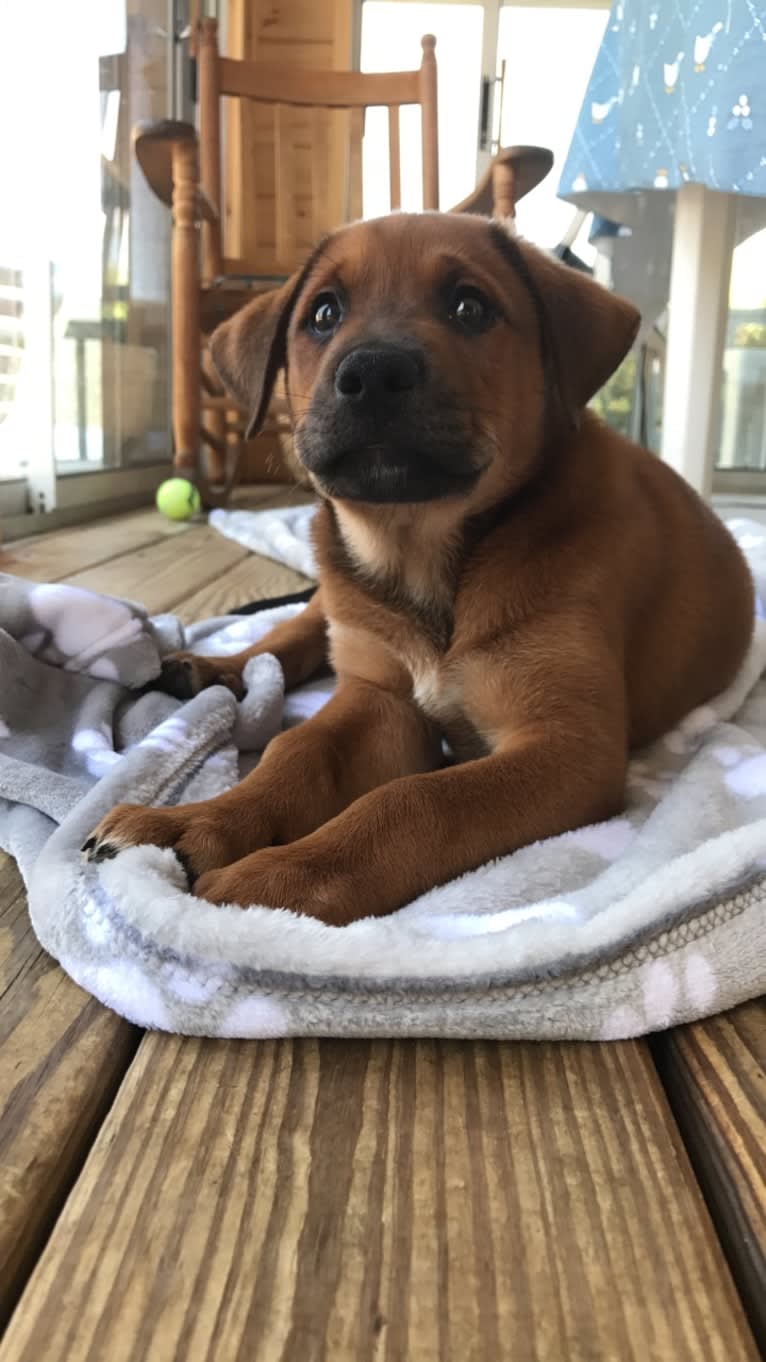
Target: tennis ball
{"x":178,"y":499}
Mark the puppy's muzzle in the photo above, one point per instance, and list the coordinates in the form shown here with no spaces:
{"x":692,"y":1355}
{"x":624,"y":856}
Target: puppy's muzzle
{"x":376,"y":431}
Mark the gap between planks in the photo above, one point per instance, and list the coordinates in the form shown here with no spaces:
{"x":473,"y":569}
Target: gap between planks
{"x":714,"y":1074}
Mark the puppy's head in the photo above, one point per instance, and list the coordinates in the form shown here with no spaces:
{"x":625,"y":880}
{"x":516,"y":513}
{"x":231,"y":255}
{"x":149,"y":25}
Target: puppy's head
{"x":427,"y":356}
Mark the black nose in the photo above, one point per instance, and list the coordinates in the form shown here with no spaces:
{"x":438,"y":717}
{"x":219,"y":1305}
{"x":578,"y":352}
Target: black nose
{"x":378,"y":372}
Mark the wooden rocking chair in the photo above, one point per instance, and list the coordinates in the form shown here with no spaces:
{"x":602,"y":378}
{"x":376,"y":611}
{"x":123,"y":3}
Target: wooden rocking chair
{"x":184,"y":169}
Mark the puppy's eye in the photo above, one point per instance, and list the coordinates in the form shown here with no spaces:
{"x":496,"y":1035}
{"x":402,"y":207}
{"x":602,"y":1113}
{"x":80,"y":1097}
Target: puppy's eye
{"x":470,"y":310}
{"x":325,"y":315}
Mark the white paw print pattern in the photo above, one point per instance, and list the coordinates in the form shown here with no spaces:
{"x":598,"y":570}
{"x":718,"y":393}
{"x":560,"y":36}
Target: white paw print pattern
{"x":129,"y":990}
{"x":189,"y":987}
{"x":727,"y":756}
{"x":609,"y":840}
{"x":748,"y":778}
{"x":96,"y":924}
{"x":741,"y":115}
{"x":668,"y":996}
{"x":257,"y":1017}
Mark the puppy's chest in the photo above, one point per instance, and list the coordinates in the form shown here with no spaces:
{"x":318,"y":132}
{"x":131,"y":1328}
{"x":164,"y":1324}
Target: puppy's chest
{"x":401,"y":659}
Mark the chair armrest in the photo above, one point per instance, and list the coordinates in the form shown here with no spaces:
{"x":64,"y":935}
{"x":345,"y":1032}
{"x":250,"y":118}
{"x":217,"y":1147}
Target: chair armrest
{"x":153,"y":143}
{"x":511,"y":174}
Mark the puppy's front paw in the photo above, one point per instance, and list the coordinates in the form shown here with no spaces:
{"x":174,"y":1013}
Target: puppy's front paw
{"x":129,"y":825}
{"x":200,"y":837}
{"x":283,"y":877}
{"x":184,"y":675}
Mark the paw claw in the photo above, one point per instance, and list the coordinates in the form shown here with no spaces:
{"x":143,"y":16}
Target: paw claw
{"x":94,"y":851}
{"x":106,"y":851}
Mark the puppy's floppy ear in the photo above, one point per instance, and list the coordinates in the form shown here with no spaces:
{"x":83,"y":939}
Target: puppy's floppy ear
{"x":587,"y":328}
{"x":251,"y":347}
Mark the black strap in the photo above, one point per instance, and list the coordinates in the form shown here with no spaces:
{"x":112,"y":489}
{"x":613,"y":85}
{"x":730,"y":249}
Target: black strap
{"x":295,"y":598}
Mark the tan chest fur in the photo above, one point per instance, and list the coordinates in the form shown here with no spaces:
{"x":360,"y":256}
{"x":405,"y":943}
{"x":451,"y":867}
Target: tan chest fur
{"x":406,"y":663}
{"x":392,"y":647}
{"x":402,"y":546}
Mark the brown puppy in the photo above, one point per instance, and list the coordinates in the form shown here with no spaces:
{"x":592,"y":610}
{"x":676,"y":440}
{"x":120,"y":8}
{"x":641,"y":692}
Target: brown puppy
{"x":497,"y":569}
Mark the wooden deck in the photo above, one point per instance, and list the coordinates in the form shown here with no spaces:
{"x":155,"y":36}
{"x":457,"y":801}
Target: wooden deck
{"x":335,"y":1201}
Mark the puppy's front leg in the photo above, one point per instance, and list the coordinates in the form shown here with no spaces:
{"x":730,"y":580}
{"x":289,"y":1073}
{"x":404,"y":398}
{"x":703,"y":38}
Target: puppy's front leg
{"x":299,"y":645}
{"x":362,"y":737}
{"x":559,"y":762}
{"x":415,"y":833}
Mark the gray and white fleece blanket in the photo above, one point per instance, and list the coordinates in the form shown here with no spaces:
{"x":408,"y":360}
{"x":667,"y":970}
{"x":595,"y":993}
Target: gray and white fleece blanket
{"x":651,"y":919}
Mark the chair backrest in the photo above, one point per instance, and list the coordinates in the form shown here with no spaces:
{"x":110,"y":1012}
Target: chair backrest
{"x":300,"y":104}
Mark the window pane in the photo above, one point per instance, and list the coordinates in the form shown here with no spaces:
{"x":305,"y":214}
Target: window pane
{"x":549,"y":54}
{"x":391,"y":34}
{"x":84,"y":316}
{"x":743,"y":422}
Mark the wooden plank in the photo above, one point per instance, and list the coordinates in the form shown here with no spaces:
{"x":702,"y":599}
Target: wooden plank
{"x":284,"y":177}
{"x":62,"y":1057}
{"x":301,"y":230}
{"x":158,"y":576}
{"x":316,"y":174}
{"x":283,"y":22}
{"x":310,"y":56}
{"x":254,"y":579}
{"x":295,"y":33}
{"x":369,"y":1200}
{"x":344,"y":16}
{"x":715,"y":1076}
{"x":51,"y":557}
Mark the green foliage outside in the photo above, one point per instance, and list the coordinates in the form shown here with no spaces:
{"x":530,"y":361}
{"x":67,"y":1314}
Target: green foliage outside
{"x":750,"y":335}
{"x":614,"y":402}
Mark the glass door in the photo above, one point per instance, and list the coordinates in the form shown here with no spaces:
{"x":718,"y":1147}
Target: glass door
{"x":84,"y":253}
{"x":508,"y":74}
{"x":391,"y":33}
{"x":546,"y":54}
{"x":741,"y":462}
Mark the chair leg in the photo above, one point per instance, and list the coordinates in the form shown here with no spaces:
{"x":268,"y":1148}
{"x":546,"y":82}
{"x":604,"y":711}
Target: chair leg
{"x":186,"y":311}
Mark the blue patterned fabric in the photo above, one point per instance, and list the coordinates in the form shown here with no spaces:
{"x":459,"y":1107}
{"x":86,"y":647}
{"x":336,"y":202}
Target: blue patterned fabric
{"x":677,"y":94}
